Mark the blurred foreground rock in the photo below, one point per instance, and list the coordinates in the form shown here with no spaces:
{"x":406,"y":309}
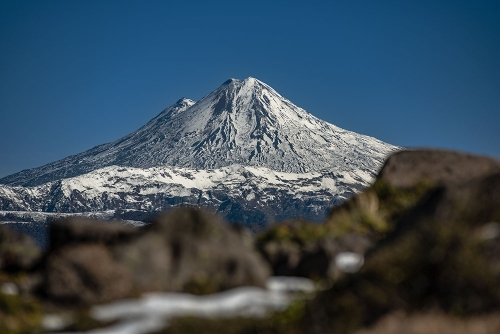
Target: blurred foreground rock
{"x":85,"y":274}
{"x":408,"y":168}
{"x":17,"y":251}
{"x":192,"y":251}
{"x":433,"y":264}
{"x":303,"y":249}
{"x":184,"y":250}
{"x":427,"y":234}
{"x":443,"y":254}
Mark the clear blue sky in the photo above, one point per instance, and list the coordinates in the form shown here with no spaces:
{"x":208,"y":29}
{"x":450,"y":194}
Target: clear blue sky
{"x":75,"y":74}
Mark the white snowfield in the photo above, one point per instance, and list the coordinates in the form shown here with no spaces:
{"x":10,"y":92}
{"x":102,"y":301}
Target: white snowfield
{"x":137,"y":185}
{"x":152,"y":311}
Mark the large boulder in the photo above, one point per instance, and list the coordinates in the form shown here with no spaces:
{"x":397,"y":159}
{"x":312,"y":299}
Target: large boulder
{"x":186,"y":250}
{"x":79,"y":267}
{"x":443,"y":254}
{"x":407,"y":178}
{"x":85,"y":274}
{"x":299,"y":248}
{"x":194,"y":251}
{"x":407,"y":168}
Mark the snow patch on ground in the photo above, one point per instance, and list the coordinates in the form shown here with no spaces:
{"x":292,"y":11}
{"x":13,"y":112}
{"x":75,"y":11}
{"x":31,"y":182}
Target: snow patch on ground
{"x":152,"y":311}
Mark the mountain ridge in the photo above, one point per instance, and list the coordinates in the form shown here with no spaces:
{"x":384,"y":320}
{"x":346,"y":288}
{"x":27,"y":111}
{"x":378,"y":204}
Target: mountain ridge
{"x":254,"y":196}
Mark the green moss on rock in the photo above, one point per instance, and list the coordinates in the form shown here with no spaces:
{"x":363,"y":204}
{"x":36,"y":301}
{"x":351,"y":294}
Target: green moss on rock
{"x":372,"y":212}
{"x":375,"y":211}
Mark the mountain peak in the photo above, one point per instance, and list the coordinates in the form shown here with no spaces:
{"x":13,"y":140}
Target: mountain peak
{"x":251,"y":80}
{"x":246,"y":81}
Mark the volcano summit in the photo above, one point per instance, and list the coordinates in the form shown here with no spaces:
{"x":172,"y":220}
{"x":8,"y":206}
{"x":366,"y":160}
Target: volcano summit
{"x":243,"y":122}
{"x":243,"y":130}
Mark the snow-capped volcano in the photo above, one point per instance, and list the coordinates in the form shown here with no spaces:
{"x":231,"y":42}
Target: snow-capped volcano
{"x":243,"y":151}
{"x":242,"y":122}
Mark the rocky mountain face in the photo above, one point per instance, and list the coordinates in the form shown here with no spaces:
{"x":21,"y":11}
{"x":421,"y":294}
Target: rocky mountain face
{"x":243,"y":150}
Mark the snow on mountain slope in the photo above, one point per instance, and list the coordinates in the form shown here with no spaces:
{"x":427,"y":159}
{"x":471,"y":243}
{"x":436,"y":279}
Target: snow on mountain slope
{"x":250,"y":194}
{"x":243,"y":122}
